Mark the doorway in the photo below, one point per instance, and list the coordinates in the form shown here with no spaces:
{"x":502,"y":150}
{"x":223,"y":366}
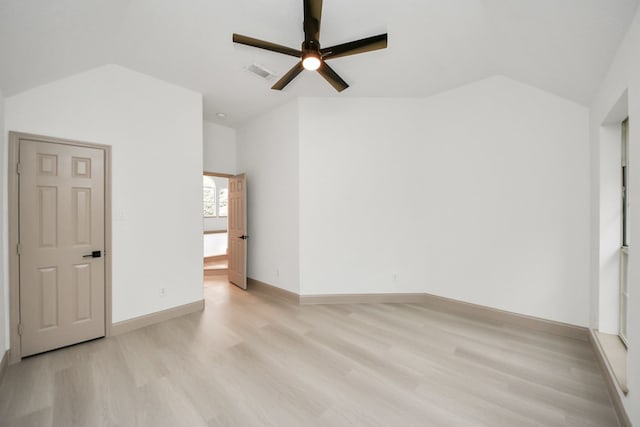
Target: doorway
{"x":59,"y":222}
{"x":215,"y":196}
{"x":225,"y":229}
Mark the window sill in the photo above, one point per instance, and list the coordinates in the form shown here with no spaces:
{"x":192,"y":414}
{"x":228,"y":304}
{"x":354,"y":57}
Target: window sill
{"x":214,"y":231}
{"x":615,"y":355}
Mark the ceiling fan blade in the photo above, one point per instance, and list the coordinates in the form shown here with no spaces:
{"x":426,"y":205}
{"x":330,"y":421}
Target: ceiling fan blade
{"x":287,"y":78}
{"x":312,"y":17}
{"x":332,"y":77}
{"x":354,"y":47}
{"x":261,"y":44}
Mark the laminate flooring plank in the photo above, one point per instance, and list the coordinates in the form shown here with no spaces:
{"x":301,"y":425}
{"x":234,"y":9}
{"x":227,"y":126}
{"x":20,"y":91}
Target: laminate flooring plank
{"x":142,"y":358}
{"x":291,"y":389}
{"x":267,"y":391}
{"x":76,"y":400}
{"x":211,"y":398}
{"x":466,"y":388}
{"x":563,"y":385}
{"x":394,"y":403}
{"x":231,"y":401}
{"x":115,"y":385}
{"x":26,"y":388}
{"x":41,"y":418}
{"x":161,"y":404}
{"x":599,"y":413}
{"x":376,"y":363}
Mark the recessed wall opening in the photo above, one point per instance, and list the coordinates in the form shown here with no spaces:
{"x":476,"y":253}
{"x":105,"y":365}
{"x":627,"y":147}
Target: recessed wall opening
{"x":624,"y":249}
{"x":613,"y":287}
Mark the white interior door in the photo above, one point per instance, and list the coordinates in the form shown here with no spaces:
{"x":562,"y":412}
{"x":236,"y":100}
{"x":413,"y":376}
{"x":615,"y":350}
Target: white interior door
{"x":237,"y":227}
{"x":61,"y":211}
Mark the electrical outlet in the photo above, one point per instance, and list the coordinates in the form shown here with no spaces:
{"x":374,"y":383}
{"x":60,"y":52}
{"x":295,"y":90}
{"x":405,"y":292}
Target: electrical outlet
{"x":394,"y":277}
{"x":162,"y":292}
{"x":277,"y":272}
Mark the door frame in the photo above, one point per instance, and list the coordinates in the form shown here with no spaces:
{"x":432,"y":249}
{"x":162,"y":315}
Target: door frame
{"x":15,"y":350}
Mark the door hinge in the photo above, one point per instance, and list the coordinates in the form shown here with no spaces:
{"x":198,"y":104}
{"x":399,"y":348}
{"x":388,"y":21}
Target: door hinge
{"x":19,"y":328}
{"x":18,"y":248}
{"x":19,"y":168}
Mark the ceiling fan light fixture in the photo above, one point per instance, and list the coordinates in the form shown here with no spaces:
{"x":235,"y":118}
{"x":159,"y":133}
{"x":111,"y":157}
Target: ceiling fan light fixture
{"x":311,"y":61}
{"x":312,"y":57}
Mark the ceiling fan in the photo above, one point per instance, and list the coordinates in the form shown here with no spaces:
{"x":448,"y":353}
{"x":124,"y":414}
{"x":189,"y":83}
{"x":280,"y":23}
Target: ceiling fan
{"x":312,"y":57}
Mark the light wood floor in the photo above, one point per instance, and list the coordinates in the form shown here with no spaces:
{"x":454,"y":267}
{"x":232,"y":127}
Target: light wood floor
{"x":216,"y":267}
{"x":250,"y":360}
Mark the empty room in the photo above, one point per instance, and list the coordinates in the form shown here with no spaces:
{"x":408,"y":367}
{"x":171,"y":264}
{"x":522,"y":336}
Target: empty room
{"x":327,"y":213}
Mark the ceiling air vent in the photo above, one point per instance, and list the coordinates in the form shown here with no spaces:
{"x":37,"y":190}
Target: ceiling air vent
{"x":260,"y":71}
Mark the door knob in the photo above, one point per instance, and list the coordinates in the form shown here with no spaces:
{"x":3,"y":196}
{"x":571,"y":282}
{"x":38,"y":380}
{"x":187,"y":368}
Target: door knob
{"x":243,"y":237}
{"x":94,"y":254}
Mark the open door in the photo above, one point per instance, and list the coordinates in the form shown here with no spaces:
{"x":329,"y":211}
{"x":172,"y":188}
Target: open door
{"x":237,"y":227}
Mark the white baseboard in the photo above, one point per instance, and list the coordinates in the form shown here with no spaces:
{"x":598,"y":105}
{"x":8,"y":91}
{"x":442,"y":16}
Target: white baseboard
{"x":362,"y":299}
{"x":433,"y":302}
{"x":449,"y":305}
{"x":274,"y":291}
{"x":160,"y":316}
{"x":4,"y":363}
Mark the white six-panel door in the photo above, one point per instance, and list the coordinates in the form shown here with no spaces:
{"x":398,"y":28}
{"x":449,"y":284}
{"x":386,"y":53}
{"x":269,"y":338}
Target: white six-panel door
{"x":61,"y":210}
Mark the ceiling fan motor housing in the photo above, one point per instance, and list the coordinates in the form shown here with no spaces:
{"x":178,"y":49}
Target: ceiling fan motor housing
{"x":311,"y":46}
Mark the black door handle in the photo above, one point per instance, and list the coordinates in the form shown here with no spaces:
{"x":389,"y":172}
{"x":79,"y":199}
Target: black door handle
{"x":243,"y":237}
{"x":94,"y":254}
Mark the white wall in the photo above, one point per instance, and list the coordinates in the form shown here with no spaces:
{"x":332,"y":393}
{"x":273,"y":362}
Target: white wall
{"x":155,"y":129}
{"x":268,"y":154}
{"x":219,"y":148}
{"x":215,"y":244}
{"x":480,"y":194}
{"x":4,"y":274}
{"x":623,"y":75}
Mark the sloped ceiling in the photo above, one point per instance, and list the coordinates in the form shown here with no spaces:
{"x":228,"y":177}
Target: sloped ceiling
{"x":562,"y":46}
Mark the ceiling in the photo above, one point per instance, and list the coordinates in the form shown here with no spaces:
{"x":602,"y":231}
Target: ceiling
{"x":562,"y":46}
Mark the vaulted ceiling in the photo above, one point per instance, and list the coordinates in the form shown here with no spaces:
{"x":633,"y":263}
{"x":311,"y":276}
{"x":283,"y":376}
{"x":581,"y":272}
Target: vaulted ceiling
{"x":562,"y":46}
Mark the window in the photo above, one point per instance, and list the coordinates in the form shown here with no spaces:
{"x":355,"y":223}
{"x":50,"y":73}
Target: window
{"x":223,"y":201}
{"x":624,"y":250}
{"x":215,"y":196}
{"x":208,"y":197}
